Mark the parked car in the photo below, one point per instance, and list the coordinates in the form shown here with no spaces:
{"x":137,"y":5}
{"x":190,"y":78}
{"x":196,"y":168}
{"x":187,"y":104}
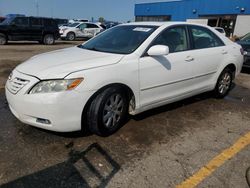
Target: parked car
{"x":245,"y":43}
{"x":80,"y":30}
{"x":95,"y":85}
{"x":221,"y":30}
{"x":2,"y":19}
{"x":44,"y":30}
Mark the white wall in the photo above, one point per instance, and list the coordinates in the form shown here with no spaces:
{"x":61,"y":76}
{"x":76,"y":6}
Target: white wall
{"x":198,"y":21}
{"x":242,"y":26}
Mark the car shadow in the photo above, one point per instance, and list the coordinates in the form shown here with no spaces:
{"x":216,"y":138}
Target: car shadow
{"x":80,"y":170}
{"x":245,"y":70}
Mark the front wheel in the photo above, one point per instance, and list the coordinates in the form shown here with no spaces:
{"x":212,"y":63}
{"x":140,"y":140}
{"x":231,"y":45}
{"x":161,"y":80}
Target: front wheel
{"x":48,"y":39}
{"x":107,"y":112}
{"x":3,"y":39}
{"x":224,"y":83}
{"x":71,"y":36}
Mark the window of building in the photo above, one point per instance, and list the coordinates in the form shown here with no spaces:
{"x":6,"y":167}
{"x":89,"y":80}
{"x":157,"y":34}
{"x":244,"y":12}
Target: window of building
{"x":152,"y":18}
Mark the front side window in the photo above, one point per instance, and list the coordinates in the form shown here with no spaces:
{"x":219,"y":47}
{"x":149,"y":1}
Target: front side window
{"x":175,"y":38}
{"x":82,"y":26}
{"x":49,"y":22}
{"x":204,"y":38}
{"x":120,"y":40}
{"x":21,"y":21}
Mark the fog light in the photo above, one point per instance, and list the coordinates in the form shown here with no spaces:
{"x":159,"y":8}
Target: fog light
{"x":43,"y":121}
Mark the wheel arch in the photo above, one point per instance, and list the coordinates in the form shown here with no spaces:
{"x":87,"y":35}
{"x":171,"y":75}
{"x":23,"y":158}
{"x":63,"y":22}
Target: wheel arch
{"x":129,"y":92}
{"x":232,"y":67}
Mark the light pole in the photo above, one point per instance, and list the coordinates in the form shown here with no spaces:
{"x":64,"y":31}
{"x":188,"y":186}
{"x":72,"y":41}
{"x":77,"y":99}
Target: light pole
{"x":37,"y":8}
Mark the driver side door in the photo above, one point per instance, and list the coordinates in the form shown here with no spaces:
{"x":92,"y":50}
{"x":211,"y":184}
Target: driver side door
{"x":166,"y":78}
{"x":81,"y":30}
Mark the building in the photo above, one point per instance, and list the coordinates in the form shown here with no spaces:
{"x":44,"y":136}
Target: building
{"x":232,"y":15}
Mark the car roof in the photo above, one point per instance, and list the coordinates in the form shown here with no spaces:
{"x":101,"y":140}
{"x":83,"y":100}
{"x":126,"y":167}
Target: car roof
{"x":159,"y":24}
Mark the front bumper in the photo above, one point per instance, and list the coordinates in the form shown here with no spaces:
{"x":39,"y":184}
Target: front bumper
{"x":63,"y":109}
{"x":247,"y":60}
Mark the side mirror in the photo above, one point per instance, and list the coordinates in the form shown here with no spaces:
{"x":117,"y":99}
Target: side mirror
{"x":158,"y":50}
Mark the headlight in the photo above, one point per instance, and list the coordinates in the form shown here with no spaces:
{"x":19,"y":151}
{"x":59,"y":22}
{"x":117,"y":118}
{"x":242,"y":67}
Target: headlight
{"x":51,"y":86}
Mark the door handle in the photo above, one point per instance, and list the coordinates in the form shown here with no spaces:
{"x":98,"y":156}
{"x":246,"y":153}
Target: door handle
{"x":189,"y":59}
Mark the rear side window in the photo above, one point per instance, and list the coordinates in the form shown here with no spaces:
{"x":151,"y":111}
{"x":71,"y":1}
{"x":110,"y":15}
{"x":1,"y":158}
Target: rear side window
{"x":21,"y":21}
{"x":92,"y":26}
{"x":35,"y":21}
{"x":204,"y":38}
{"x":175,"y":38}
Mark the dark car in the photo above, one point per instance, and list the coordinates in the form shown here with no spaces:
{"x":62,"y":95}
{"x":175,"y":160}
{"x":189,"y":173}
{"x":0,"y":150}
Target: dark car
{"x":245,"y":43}
{"x":2,"y":19}
{"x":43,"y":30}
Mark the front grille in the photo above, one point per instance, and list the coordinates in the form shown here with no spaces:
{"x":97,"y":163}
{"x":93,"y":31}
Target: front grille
{"x":16,"y":84}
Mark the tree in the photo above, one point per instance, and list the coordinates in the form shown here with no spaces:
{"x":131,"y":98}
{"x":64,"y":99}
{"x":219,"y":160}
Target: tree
{"x":101,"y":19}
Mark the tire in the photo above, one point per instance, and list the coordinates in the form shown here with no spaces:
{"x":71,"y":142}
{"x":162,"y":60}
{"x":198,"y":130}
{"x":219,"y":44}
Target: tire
{"x":224,"y":83}
{"x":248,"y":176}
{"x":71,"y":36}
{"x":49,"y":39}
{"x":107,"y":112}
{"x":3,"y":39}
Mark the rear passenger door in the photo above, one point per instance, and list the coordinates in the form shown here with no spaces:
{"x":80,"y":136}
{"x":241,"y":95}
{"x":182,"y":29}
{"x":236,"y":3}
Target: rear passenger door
{"x":19,"y":27}
{"x":36,"y":28}
{"x":208,"y":53}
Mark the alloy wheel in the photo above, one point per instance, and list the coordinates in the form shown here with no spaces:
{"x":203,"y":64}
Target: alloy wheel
{"x":2,"y":40}
{"x":225,"y":83}
{"x":113,"y":110}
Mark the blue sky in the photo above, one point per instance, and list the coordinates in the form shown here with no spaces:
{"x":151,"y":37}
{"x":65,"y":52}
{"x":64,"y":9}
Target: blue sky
{"x":115,"y":10}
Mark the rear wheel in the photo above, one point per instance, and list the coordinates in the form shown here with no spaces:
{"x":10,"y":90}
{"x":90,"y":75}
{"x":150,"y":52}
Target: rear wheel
{"x":107,"y":112}
{"x":71,"y":36}
{"x":3,"y":39}
{"x":224,"y":83}
{"x":49,"y":39}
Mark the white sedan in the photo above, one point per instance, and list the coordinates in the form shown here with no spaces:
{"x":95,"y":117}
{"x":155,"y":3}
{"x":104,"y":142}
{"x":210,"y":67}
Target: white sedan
{"x":130,"y":68}
{"x":80,"y":30}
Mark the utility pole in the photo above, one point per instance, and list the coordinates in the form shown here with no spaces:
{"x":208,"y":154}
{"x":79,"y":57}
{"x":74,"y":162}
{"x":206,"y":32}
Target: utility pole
{"x":37,"y":8}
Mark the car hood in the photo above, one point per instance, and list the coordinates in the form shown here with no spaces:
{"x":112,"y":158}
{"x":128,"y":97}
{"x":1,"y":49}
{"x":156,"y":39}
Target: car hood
{"x":60,"y":63}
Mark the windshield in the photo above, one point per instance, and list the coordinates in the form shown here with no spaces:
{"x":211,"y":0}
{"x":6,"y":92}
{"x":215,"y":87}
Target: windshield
{"x":246,"y":38}
{"x":7,"y":21}
{"x":120,"y":40}
{"x":73,"y":25}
